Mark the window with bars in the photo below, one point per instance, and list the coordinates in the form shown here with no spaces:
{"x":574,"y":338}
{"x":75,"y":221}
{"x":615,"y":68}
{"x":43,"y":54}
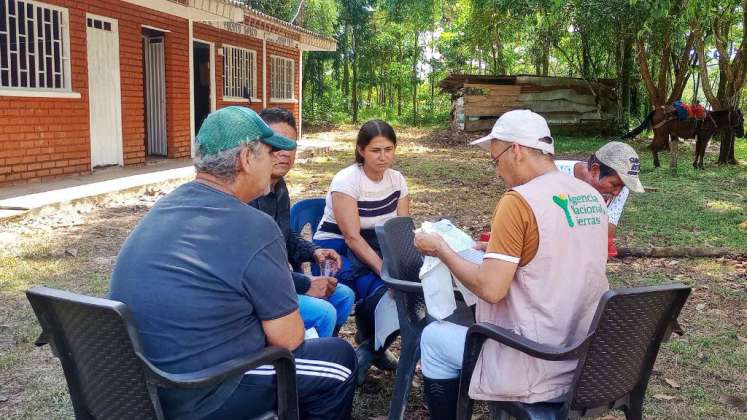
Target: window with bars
{"x":281,"y":84}
{"x":239,"y":72}
{"x":34,"y":52}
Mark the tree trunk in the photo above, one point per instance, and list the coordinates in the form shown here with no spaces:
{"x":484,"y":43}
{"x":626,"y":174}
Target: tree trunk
{"x":399,"y":99}
{"x":585,"y":56}
{"x":415,"y":79}
{"x":625,"y":75}
{"x":546,"y":55}
{"x":653,"y":93}
{"x":354,"y":96}
{"x":674,"y":152}
{"x":346,"y":64}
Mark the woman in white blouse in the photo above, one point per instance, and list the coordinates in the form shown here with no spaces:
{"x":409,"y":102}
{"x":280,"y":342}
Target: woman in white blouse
{"x":360,"y":196}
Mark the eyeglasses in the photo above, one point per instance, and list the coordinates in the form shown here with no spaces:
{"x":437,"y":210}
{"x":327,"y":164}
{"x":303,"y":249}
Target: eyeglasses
{"x":494,"y":161}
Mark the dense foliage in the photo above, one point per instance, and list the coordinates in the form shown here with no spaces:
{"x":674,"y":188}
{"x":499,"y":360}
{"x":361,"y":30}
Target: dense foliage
{"x":392,"y":53}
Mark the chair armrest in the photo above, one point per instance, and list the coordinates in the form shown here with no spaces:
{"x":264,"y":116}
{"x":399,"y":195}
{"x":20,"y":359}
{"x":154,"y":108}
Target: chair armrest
{"x":478,"y":333}
{"x":280,"y":358}
{"x":401,"y":285}
{"x":476,"y":336}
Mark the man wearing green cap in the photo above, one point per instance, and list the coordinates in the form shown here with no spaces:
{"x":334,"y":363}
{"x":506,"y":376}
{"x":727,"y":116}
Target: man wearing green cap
{"x":206,"y":279}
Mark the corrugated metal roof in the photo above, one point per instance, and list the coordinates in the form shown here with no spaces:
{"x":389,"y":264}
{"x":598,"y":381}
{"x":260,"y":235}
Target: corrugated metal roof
{"x":456,"y":81}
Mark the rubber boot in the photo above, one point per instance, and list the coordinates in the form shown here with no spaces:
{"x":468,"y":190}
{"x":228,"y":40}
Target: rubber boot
{"x":364,"y":354}
{"x":441,"y":396}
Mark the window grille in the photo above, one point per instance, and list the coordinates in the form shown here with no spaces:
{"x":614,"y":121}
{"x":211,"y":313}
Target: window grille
{"x":34,"y":46}
{"x":282,"y":81}
{"x":239,"y":72}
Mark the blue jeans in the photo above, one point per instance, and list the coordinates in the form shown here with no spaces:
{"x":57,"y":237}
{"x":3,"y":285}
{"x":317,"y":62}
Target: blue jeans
{"x":324,"y":314}
{"x":442,"y":350}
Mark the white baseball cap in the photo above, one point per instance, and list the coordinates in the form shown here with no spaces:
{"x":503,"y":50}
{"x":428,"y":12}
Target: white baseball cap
{"x":624,"y":160}
{"x":522,"y":127}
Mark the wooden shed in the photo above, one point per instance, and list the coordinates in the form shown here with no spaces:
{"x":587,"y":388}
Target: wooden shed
{"x":570,"y":105}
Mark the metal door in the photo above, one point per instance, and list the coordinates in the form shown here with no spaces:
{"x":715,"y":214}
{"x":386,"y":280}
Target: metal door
{"x":104,"y":92}
{"x":155,"y":95}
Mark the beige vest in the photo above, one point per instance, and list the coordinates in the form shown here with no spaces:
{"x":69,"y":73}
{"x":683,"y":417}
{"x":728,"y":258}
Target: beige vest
{"x":552,"y":299}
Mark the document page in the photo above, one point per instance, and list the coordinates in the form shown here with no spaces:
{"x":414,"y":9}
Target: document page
{"x":386,"y":320}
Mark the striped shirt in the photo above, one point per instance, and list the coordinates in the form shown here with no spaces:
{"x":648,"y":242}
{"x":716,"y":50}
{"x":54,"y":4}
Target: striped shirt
{"x":377,"y":200}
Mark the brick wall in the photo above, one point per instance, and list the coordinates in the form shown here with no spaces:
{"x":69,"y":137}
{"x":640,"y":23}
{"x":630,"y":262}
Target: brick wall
{"x":220,"y":37}
{"x":45,"y":138}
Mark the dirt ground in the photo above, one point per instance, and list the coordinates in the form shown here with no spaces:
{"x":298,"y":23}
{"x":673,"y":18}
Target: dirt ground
{"x":74,"y":247}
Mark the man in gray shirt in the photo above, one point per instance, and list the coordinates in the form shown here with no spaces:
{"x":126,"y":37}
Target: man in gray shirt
{"x":206,"y":278}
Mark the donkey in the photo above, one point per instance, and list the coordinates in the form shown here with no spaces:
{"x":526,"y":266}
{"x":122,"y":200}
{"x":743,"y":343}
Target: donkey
{"x":666,"y":126}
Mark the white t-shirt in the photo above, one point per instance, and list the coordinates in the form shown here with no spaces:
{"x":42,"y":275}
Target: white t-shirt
{"x":615,"y":207}
{"x":377,"y":201}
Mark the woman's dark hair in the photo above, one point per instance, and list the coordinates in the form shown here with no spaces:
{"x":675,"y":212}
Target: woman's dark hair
{"x":277,"y":115}
{"x":369,"y":131}
{"x":604,"y":170}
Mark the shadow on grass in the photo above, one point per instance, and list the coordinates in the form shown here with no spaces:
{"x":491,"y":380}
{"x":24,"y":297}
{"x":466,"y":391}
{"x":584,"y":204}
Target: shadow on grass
{"x":73,"y":258}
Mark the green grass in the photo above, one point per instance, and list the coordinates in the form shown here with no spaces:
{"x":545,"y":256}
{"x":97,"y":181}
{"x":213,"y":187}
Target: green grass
{"x":446,"y":179}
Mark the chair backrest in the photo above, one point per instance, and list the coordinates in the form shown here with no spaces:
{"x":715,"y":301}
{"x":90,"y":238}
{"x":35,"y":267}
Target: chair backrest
{"x":402,"y":259}
{"x":628,"y":328}
{"x":309,"y":211}
{"x":100,"y":354}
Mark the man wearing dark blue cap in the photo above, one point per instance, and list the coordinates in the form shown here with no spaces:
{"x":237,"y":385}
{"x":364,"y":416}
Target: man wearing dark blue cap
{"x":207,"y":280}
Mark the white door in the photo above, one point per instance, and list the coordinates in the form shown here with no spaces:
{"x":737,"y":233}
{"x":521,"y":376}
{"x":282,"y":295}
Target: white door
{"x":104,"y":97}
{"x":155,"y":95}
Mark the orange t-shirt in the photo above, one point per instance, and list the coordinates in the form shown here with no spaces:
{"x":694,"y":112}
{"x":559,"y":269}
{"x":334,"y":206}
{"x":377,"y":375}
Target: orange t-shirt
{"x":514,"y":234}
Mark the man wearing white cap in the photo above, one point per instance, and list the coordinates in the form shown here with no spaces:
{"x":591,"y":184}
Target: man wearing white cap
{"x":541,"y":277}
{"x":613,"y":172}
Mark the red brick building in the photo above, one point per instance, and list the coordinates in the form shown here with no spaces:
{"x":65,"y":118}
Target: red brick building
{"x":92,"y":83}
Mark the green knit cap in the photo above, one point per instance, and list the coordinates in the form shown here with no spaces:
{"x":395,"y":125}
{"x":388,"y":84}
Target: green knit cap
{"x":232,"y":126}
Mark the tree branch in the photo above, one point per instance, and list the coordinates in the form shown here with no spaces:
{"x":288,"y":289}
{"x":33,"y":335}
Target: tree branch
{"x":703,"y":65}
{"x":739,"y":59}
{"x":664,"y":65}
{"x":646,"y":73}
{"x":724,"y":59}
{"x":683,"y":69}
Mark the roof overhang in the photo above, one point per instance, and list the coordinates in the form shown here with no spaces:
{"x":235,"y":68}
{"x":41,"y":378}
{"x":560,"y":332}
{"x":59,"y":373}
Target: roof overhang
{"x":196,"y":10}
{"x":306,"y":42}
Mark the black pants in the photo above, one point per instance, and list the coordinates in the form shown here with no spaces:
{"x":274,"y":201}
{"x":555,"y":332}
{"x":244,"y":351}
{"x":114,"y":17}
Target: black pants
{"x":365,"y":312}
{"x":325,"y":376}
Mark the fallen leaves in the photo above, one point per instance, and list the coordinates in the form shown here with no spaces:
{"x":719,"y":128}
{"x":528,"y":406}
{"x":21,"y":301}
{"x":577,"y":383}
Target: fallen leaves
{"x":664,"y":397}
{"x":672,"y":383}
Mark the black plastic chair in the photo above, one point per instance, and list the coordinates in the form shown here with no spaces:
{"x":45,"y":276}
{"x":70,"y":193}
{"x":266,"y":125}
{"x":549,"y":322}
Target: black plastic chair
{"x":107,"y":375}
{"x":614,"y":360}
{"x":401,"y":273}
{"x":306,"y":212}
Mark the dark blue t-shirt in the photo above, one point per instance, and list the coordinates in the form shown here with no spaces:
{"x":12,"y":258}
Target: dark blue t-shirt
{"x":199,"y":273}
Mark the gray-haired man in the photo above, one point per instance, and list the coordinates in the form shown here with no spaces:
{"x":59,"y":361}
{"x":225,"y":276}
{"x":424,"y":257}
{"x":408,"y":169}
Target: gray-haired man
{"x":206,"y":278}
